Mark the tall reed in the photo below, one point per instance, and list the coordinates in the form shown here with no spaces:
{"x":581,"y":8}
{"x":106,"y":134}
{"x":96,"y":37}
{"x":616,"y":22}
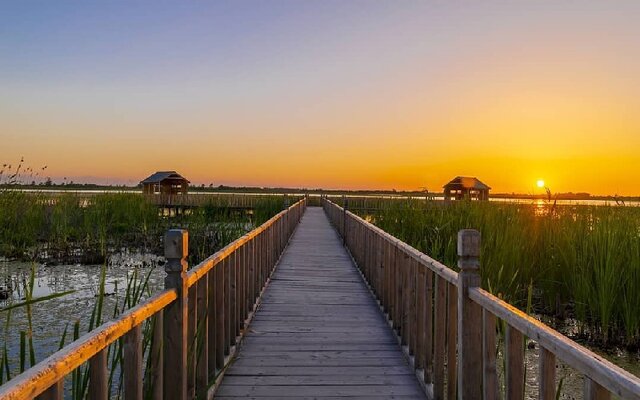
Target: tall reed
{"x":583,"y":261}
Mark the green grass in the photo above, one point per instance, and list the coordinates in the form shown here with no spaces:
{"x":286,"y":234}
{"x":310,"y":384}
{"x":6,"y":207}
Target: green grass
{"x":583,"y":261}
{"x":33,"y":227}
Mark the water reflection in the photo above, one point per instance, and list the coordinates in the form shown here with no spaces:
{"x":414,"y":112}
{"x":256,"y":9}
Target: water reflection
{"x":51,"y":317}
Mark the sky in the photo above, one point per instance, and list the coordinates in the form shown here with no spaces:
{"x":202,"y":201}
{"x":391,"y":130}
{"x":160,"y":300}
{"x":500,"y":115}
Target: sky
{"x":370,"y":94}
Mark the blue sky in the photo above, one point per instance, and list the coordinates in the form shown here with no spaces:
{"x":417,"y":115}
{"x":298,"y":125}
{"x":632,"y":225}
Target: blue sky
{"x":406,"y":87}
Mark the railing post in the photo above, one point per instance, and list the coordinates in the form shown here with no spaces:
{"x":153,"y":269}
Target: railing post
{"x":469,"y":317}
{"x":345,"y":204}
{"x":176,"y":249}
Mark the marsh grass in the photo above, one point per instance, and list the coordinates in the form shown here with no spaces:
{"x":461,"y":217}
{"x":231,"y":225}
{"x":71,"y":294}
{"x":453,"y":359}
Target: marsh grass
{"x":68,"y":228}
{"x":573,"y":261}
{"x":30,"y":225}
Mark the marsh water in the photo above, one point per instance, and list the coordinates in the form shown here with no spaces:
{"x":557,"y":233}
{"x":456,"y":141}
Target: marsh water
{"x":50,"y":318}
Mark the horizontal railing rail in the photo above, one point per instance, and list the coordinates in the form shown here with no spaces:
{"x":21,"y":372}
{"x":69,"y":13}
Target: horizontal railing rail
{"x":447,"y":324}
{"x":196,"y":322}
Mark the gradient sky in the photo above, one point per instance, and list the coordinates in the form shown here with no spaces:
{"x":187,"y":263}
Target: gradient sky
{"x":334,"y":94}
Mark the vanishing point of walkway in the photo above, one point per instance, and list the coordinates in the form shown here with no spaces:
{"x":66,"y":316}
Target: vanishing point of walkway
{"x":318,"y":332}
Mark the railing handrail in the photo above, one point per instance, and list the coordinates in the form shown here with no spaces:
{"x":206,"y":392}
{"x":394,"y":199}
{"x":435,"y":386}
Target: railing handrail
{"x":615,"y":379}
{"x":596,"y":368}
{"x":40,"y":377}
{"x":197,"y":272}
{"x":436,"y":266}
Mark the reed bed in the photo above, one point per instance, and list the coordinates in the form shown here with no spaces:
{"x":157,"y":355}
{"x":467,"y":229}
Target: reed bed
{"x":34,"y":227}
{"x":578,"y":261}
{"x":69,"y":228}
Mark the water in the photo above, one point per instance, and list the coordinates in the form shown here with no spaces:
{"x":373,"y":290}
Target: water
{"x":50,"y":317}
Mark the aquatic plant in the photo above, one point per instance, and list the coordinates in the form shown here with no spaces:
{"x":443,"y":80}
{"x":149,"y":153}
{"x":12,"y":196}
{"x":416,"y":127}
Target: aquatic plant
{"x":583,"y":261}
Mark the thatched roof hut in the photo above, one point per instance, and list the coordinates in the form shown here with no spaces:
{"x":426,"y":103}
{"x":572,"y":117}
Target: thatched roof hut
{"x":463,"y":187}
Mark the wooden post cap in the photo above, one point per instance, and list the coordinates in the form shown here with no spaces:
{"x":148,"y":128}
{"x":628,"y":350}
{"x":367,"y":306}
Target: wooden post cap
{"x":469,"y":250}
{"x":176,"y":248}
{"x":468,"y":243}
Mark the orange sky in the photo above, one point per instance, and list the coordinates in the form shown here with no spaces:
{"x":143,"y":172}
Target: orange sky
{"x":383,"y":98}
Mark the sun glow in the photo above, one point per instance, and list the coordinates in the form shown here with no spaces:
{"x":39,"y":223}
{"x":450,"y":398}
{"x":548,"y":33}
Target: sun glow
{"x":540,"y":183}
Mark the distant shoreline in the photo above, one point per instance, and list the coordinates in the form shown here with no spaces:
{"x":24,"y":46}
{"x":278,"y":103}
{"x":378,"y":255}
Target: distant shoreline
{"x":269,"y":190}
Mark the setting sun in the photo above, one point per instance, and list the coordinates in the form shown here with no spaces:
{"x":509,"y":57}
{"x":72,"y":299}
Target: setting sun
{"x":540,"y":183}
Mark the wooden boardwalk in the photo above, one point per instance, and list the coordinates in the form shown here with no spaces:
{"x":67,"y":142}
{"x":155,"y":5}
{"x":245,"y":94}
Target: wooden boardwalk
{"x":318,"y":332}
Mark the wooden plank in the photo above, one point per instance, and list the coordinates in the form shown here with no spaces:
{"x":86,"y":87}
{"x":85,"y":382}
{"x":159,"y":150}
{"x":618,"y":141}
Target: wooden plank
{"x":452,"y":336}
{"x":334,"y":380}
{"x":191,"y":340}
{"x":440,"y":327}
{"x":489,"y":349}
{"x":302,"y":397}
{"x":212,"y":336}
{"x":428,"y":329}
{"x":223,"y":328}
{"x":317,"y":320}
{"x":98,"y":376}
{"x":469,"y":316}
{"x":514,"y":355}
{"x":202,"y":340}
{"x":156,"y":358}
{"x":175,"y":325}
{"x":54,"y":392}
{"x":240,"y":299}
{"x":320,"y":390}
{"x":421,"y":293}
{"x":547,"y":375}
{"x":413,"y":311}
{"x":132,"y":364}
{"x":282,"y":361}
{"x":594,"y":391}
{"x":229,"y":299}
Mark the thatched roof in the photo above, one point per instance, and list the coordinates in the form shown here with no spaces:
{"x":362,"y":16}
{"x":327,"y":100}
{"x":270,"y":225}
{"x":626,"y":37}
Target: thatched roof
{"x":164,"y":175}
{"x":464,"y":182}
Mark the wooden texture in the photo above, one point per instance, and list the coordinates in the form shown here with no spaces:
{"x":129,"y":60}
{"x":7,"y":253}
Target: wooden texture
{"x":98,"y":377}
{"x":428,"y":329}
{"x":440,"y":329}
{"x":470,"y":316}
{"x":156,"y":361}
{"x":132,"y":364}
{"x":420,"y":316}
{"x":489,"y":349}
{"x":318,"y":332}
{"x":191,"y":339}
{"x":54,"y":392}
{"x":54,"y":368}
{"x":223,"y":329}
{"x":175,"y":330}
{"x":202,"y":342}
{"x":514,"y":355}
{"x":547,"y":375}
{"x":452,"y":341}
{"x":593,"y":391}
{"x":615,"y":379}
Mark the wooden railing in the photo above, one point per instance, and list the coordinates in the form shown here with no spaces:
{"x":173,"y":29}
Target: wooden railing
{"x":447,"y":323}
{"x":196,"y":322}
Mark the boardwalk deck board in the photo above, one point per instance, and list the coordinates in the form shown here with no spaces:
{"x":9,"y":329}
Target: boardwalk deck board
{"x":318,"y":333}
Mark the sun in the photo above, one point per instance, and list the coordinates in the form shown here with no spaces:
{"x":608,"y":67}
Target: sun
{"x":540,"y":183}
